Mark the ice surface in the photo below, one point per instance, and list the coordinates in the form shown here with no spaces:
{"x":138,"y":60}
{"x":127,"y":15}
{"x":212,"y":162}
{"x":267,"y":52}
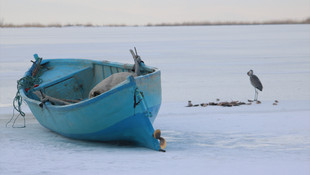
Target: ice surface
{"x":198,"y":64}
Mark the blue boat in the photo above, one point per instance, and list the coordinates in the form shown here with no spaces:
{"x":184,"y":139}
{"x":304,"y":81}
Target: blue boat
{"x":60,"y":101}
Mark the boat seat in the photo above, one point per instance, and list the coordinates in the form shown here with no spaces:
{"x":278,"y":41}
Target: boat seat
{"x":69,"y":87}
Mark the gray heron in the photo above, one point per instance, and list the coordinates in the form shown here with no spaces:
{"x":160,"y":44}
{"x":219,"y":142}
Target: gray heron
{"x":255,"y":83}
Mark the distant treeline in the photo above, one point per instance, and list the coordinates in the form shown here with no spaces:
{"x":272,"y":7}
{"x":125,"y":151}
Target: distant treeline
{"x":55,"y":25}
{"x":306,"y":21}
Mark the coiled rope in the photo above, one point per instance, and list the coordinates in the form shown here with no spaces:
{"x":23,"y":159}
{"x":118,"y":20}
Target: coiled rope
{"x":28,"y":83}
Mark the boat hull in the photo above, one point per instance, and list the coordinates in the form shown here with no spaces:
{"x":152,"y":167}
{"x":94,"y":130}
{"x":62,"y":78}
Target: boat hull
{"x":111,"y":116}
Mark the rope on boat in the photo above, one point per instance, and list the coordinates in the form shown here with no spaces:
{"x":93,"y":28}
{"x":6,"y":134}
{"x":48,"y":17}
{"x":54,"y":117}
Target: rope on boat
{"x":139,"y":95}
{"x":28,"y":82}
{"x":139,"y":98}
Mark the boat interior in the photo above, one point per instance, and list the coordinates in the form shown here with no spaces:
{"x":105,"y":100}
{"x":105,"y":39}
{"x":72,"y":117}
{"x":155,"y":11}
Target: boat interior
{"x":71,"y":81}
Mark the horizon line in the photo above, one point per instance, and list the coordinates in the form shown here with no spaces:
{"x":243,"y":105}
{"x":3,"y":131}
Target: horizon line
{"x":203,"y":23}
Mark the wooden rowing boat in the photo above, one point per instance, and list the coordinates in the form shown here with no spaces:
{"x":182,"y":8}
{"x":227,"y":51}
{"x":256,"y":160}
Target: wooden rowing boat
{"x":61,"y":103}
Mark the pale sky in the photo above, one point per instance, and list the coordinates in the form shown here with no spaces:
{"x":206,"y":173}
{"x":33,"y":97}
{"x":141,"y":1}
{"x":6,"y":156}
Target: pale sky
{"x":141,"y":12}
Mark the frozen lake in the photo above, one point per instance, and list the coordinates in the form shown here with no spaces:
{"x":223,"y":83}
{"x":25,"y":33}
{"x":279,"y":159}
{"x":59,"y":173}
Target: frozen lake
{"x":197,"y":63}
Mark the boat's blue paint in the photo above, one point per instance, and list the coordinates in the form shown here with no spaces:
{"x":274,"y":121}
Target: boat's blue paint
{"x":110,"y":116}
{"x":136,"y":128}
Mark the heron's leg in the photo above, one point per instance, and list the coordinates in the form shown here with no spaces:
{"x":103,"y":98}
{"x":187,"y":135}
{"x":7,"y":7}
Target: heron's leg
{"x":256,"y":95}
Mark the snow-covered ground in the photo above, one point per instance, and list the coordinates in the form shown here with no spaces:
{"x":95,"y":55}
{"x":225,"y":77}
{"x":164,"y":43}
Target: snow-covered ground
{"x":199,"y":64}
